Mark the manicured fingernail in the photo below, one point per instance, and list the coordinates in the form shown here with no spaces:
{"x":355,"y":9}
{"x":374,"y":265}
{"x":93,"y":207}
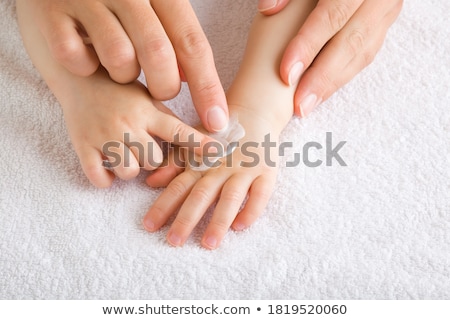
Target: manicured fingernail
{"x":265,"y":5}
{"x":211,"y":242}
{"x":295,"y":73}
{"x":149,"y":225}
{"x":174,"y":240}
{"x":217,"y":119}
{"x":308,"y":104}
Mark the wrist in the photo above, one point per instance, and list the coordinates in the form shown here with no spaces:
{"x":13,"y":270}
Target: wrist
{"x":259,"y":119}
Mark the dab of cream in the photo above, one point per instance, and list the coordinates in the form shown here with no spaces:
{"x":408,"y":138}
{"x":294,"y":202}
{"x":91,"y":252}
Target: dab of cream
{"x":228,"y":138}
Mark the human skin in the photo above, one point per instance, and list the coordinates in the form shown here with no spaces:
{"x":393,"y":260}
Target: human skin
{"x":163,"y":37}
{"x":98,"y":110}
{"x":264,"y":105}
{"x":338,"y":40}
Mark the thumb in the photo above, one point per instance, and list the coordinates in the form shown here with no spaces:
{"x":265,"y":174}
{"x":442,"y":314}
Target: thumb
{"x":270,"y":7}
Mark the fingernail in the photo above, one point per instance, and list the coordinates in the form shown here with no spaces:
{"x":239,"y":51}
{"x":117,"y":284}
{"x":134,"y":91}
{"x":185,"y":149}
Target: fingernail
{"x":217,"y":119}
{"x":265,"y":5}
{"x":295,"y":73}
{"x":239,"y":227}
{"x":211,"y":242}
{"x":174,"y":240}
{"x":149,"y":225}
{"x":308,"y":104}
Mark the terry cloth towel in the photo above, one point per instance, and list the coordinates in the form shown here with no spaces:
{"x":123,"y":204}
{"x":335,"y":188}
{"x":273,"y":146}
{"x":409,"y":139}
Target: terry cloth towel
{"x":378,"y":228}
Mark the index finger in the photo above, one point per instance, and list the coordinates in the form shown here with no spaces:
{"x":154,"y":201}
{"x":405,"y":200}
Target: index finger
{"x":169,"y":128}
{"x":196,"y":59}
{"x":326,"y":19}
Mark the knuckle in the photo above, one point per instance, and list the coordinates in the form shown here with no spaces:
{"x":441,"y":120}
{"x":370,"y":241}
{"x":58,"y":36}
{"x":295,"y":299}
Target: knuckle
{"x":177,"y":189}
{"x":326,"y":83}
{"x":220,"y":225}
{"x":157,"y":50}
{"x":232,"y":197}
{"x":184,"y":221}
{"x":208,"y":89}
{"x":193,"y":44}
{"x":179,"y":130}
{"x":119,"y":55}
{"x":308,"y":47}
{"x":356,"y":41}
{"x":65,"y":51}
{"x":337,"y":16}
{"x":200,"y":195}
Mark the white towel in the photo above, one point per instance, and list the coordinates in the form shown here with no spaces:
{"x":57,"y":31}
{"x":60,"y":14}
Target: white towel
{"x":377,"y":228}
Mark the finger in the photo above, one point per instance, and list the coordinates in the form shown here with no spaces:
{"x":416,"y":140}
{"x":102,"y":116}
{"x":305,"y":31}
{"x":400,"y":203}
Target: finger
{"x":171,"y":167}
{"x":145,"y":149}
{"x":153,"y":48}
{"x":201,"y":197}
{"x":170,"y":200}
{"x":67,"y":46}
{"x":112,"y":44}
{"x":182,"y":75}
{"x":320,"y":26}
{"x":350,"y":51}
{"x":231,"y":198}
{"x":171,"y":129}
{"x":193,"y":50}
{"x":121,"y":160}
{"x":91,"y":162}
{"x":269,"y":7}
{"x":259,"y":196}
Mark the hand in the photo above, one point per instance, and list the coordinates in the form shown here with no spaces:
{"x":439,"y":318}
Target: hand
{"x":193,"y":192}
{"x":163,"y":37}
{"x":117,"y":122}
{"x":337,"y":41}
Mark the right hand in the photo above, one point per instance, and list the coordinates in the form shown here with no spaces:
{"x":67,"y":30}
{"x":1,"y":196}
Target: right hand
{"x":163,"y":37}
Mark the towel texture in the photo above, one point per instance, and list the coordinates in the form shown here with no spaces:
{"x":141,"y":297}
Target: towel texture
{"x":376,"y":228}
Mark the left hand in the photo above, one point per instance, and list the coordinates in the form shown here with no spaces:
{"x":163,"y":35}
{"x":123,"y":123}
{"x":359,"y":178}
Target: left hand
{"x":337,"y":41}
{"x":248,"y":171}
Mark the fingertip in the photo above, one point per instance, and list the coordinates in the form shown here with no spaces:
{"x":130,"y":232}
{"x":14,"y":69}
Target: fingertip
{"x":210,"y":242}
{"x":270,"y":7}
{"x":216,"y":119}
{"x":238,"y":226}
{"x":148,"y":224}
{"x":98,"y":176}
{"x":174,"y":239}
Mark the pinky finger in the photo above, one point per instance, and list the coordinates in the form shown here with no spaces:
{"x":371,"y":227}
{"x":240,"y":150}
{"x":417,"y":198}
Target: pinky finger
{"x":259,"y":196}
{"x":92,"y":164}
{"x":172,"y":166}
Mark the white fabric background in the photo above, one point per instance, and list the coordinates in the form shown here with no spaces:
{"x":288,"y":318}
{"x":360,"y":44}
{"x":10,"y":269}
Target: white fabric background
{"x":378,"y":228}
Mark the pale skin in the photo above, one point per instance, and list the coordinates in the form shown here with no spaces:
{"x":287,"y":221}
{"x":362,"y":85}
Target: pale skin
{"x":261,"y":99}
{"x":98,"y":110}
{"x":338,"y":40}
{"x":163,"y":37}
{"x":264,"y":106}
